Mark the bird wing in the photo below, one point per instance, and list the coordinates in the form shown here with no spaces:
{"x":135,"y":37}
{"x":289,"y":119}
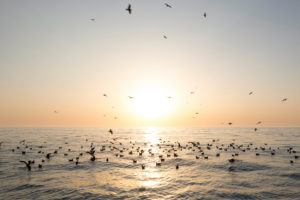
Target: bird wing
{"x":24,"y":162}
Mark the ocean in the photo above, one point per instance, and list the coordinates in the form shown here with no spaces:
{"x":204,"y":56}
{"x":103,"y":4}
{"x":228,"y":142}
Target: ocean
{"x":179,"y":163}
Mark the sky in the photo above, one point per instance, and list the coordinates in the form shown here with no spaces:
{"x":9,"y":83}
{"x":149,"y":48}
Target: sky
{"x":53,"y":57}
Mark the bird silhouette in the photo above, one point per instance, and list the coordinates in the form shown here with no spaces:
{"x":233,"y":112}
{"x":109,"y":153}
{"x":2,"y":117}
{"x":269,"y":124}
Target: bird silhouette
{"x":165,"y":37}
{"x":255,"y":129}
{"x":105,"y":95}
{"x":130,"y":97}
{"x":92,"y":19}
{"x":111,"y":131}
{"x":229,"y":123}
{"x":168,"y":5}
{"x":204,"y":15}
{"x":27,"y":164}
{"x":250,"y":92}
{"x":285,"y":99}
{"x":129,"y":9}
{"x":259,"y":122}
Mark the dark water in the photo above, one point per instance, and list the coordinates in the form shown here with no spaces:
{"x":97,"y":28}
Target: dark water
{"x":250,"y":176}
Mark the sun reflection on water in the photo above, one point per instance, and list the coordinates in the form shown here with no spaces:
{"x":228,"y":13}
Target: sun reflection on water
{"x":151,"y":135}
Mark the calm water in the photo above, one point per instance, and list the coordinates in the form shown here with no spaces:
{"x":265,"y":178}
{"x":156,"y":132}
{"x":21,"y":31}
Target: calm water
{"x":250,"y":177}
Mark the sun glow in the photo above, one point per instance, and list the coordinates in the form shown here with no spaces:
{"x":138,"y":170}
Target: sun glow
{"x":152,"y":103}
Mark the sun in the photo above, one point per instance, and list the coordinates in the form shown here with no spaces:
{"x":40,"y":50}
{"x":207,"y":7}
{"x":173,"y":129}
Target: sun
{"x":152,"y":102}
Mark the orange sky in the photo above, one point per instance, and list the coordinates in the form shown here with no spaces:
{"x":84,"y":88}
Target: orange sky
{"x":59,"y":60}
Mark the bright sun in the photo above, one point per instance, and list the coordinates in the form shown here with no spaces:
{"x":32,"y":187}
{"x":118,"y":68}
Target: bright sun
{"x":152,"y":102}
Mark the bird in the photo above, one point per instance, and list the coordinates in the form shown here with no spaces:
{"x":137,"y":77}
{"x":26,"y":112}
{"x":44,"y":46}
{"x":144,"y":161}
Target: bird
{"x":92,"y":19}
{"x":229,"y":123}
{"x":55,"y":112}
{"x":177,"y":166}
{"x":111,"y":131}
{"x":165,"y":37}
{"x":192,"y":92}
{"x":27,"y":164}
{"x":255,"y":129}
{"x":93,"y":158}
{"x":259,"y":122}
{"x":204,"y":15}
{"x":105,"y":95}
{"x":130,"y":97}
{"x":129,"y":9}
{"x":250,"y":92}
{"x":168,"y":5}
{"x":285,"y":99}
{"x":196,"y":113}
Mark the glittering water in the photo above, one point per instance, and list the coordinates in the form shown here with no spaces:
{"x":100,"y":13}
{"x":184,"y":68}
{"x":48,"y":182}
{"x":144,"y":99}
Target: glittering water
{"x":251,"y":176}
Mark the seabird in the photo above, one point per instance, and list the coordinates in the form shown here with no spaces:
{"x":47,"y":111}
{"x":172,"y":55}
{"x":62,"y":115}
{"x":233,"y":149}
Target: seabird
{"x":285,"y":99}
{"x":111,"y":131}
{"x":128,"y":9}
{"x":27,"y":164}
{"x":204,"y":15}
{"x":168,"y":5}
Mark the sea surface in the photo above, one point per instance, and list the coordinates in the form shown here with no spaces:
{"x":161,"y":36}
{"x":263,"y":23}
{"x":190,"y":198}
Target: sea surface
{"x":249,"y":176}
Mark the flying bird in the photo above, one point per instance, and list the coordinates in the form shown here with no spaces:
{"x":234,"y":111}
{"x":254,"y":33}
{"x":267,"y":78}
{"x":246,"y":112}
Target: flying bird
{"x":192,"y":92}
{"x":105,"y":95}
{"x":169,"y":97}
{"x":285,"y":99}
{"x":250,"y":92}
{"x":229,"y":123}
{"x":165,"y":37}
{"x":92,"y":19}
{"x":204,"y":15}
{"x":259,"y":122}
{"x":168,"y":5}
{"x":130,"y":97}
{"x":129,"y":9}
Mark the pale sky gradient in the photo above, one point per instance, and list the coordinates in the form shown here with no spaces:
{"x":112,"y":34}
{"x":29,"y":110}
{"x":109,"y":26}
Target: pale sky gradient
{"x":53,"y":57}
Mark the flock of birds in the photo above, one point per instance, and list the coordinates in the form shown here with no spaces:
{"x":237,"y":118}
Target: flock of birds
{"x":130,"y":10}
{"x":169,"y":149}
{"x":136,"y":151}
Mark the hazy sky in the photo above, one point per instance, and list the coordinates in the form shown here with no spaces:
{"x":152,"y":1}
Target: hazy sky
{"x":53,"y":57}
